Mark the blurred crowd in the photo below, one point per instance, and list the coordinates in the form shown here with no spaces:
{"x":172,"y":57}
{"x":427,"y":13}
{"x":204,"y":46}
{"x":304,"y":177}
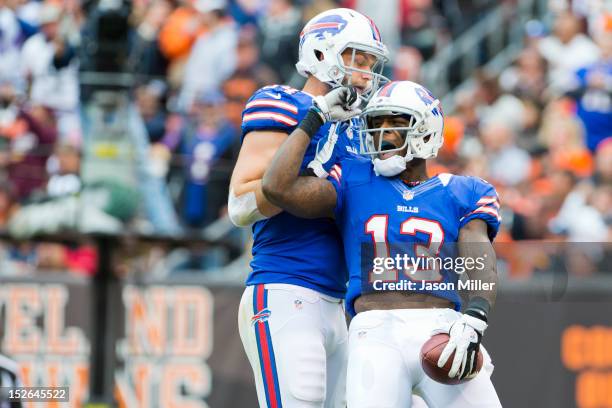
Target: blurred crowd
{"x":540,"y":131}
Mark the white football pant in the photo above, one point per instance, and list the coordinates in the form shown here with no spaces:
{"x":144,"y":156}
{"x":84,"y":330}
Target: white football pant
{"x":384,"y":367}
{"x":296,"y":341}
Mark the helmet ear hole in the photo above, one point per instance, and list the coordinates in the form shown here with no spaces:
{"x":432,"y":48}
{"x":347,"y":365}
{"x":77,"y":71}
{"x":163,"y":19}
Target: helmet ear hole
{"x":426,"y":138}
{"x":319,"y":55}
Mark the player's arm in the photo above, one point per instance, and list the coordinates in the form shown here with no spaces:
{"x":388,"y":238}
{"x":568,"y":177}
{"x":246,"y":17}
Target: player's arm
{"x":478,"y":227}
{"x":467,"y":331}
{"x":307,"y":197}
{"x":474,"y":243}
{"x":246,"y":202}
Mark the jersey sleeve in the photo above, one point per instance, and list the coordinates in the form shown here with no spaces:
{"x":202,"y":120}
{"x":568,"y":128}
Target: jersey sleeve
{"x":271,"y":109}
{"x":478,"y":200}
{"x":339,"y":183}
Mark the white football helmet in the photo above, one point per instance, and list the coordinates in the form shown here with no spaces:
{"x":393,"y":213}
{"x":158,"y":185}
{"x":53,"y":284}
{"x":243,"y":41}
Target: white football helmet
{"x":423,"y":136}
{"x":326,"y":36}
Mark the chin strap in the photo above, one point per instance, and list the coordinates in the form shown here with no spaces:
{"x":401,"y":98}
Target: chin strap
{"x":392,"y":166}
{"x":389,"y":167}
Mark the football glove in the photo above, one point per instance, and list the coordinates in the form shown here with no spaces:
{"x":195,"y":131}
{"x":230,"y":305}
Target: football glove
{"x":325,"y":153}
{"x":465,"y":335}
{"x":338,"y":105}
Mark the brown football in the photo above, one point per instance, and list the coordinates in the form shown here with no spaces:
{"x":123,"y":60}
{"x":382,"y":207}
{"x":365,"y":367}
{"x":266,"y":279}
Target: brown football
{"x":430,"y":353}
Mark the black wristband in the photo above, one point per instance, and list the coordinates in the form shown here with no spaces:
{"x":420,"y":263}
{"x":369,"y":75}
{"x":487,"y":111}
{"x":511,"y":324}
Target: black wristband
{"x":307,"y":172}
{"x":311,"y":123}
{"x":479,"y":308}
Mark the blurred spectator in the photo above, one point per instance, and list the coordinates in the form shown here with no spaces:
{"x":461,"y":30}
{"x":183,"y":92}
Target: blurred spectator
{"x":527,"y":78}
{"x":246,"y":12}
{"x":467,"y":111}
{"x":48,"y":61}
{"x":278,"y":39}
{"x":583,"y":215}
{"x":248,"y":61}
{"x":178,"y":34}
{"x":535,"y":31}
{"x":388,"y":15}
{"x":64,"y":167}
{"x":567,"y":50}
{"x":593,"y":93}
{"x":507,"y":164}
{"x":213,"y":57}
{"x":13,"y":32}
{"x":492,"y":101}
{"x":237,"y":90}
{"x":603,"y":164}
{"x":407,"y":65}
{"x":145,"y":55}
{"x":422,"y":26}
{"x":28,"y":140}
{"x":149,"y":102}
{"x":207,"y":139}
{"x":561,"y":134}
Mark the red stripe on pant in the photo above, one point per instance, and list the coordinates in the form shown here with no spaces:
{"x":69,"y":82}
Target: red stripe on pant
{"x":265,"y":351}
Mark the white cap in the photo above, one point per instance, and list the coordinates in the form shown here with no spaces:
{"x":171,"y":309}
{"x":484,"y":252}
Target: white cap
{"x":206,"y":6}
{"x":49,"y":13}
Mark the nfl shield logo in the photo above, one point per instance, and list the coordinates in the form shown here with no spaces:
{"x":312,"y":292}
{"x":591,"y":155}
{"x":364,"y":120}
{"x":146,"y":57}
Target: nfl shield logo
{"x":349,"y":132}
{"x":408,"y":195}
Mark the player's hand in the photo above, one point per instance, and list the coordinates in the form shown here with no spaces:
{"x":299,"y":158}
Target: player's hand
{"x":325,"y":153}
{"x":338,"y":105}
{"x":465,"y":335}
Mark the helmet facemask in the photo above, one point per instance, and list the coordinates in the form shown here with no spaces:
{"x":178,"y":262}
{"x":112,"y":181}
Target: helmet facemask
{"x":375,"y":72}
{"x":418,"y":140}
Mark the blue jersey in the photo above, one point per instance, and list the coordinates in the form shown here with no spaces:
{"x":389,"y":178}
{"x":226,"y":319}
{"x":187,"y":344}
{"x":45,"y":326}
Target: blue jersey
{"x":382,"y":217}
{"x":595,"y":105}
{"x":288,"y":249}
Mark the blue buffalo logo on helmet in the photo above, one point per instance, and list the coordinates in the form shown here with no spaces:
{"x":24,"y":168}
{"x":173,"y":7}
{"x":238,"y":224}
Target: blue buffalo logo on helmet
{"x":332,"y":24}
{"x":428,"y":99}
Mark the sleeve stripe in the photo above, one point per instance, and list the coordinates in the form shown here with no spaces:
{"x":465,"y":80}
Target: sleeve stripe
{"x":484,"y":210}
{"x":338,"y":169}
{"x":487,"y":200}
{"x":269,"y":116}
{"x":490,"y":200}
{"x":333,"y":173}
{"x":273,"y":104}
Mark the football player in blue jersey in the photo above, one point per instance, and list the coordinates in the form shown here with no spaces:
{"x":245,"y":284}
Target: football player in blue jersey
{"x":388,"y":207}
{"x":291,"y":318}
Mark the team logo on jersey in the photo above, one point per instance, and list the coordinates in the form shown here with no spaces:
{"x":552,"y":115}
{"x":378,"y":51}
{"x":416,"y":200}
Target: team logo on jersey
{"x":261,"y":316}
{"x":408,"y":195}
{"x":327,"y":26}
{"x":349,"y":132}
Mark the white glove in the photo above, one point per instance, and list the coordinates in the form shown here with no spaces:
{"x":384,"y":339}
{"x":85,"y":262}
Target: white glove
{"x":465,"y":335}
{"x":338,"y":105}
{"x":325,"y":152}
